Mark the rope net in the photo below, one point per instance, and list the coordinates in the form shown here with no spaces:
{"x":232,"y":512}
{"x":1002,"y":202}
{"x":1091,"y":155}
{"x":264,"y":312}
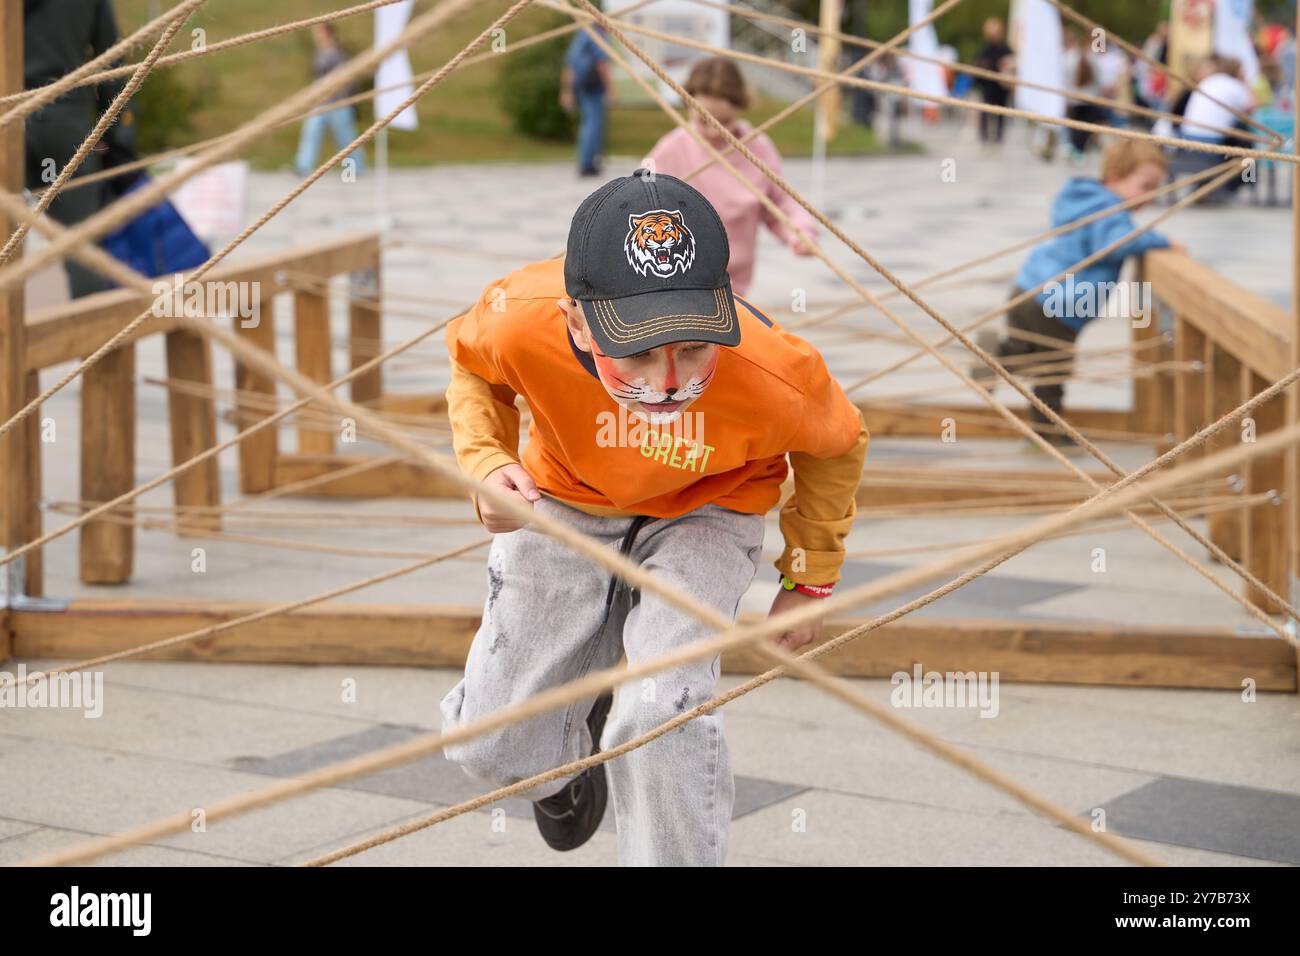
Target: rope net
{"x":1128,"y":494}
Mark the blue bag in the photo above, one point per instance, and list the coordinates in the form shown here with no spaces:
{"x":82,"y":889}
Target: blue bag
{"x":158,"y":241}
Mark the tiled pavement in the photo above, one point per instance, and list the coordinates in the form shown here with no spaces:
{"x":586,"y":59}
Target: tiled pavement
{"x":1203,"y":775}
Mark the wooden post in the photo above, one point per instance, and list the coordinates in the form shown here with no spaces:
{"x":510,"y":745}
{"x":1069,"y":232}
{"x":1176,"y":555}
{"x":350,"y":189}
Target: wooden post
{"x":1152,"y":395}
{"x":18,"y":496}
{"x":193,"y":421}
{"x":1190,"y":386}
{"x":311,"y":335}
{"x":1291,"y":477}
{"x":257,"y":453}
{"x":1267,"y":539}
{"x":35,"y":578}
{"x":108,"y":463}
{"x":1222,"y":396}
{"x":365,"y":334}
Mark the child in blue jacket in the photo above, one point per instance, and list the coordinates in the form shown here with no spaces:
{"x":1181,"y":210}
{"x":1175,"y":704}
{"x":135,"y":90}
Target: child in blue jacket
{"x":1051,"y":321}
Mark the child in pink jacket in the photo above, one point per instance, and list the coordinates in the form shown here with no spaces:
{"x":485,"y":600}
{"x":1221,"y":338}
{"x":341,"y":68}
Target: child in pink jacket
{"x":719,"y":87}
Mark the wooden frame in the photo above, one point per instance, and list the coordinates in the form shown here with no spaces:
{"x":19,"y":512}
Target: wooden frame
{"x":1214,"y":377}
{"x":440,"y":635}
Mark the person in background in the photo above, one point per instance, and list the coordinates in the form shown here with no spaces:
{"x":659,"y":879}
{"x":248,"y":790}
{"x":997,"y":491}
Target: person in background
{"x":58,"y":37}
{"x":1210,"y":108}
{"x":1081,"y":76}
{"x":994,"y":56}
{"x":1151,"y":82}
{"x":1053,"y":318}
{"x":719,"y":87}
{"x":1285,"y":52}
{"x":585,"y":85}
{"x":341,"y":120}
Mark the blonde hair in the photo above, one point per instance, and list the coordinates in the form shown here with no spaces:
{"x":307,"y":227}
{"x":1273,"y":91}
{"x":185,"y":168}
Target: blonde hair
{"x":720,"y":77}
{"x":1123,"y":157}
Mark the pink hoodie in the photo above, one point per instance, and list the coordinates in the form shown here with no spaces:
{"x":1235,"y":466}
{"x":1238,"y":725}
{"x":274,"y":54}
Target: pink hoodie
{"x":677,"y":154}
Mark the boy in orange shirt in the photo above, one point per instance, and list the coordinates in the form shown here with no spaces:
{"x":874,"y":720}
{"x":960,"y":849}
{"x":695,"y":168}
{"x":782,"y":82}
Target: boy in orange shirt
{"x":663,"y":409}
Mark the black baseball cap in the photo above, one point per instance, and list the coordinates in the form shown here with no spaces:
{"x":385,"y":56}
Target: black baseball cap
{"x":647,"y":260}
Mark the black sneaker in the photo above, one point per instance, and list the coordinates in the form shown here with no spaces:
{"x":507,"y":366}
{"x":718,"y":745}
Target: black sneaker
{"x":567,"y":819}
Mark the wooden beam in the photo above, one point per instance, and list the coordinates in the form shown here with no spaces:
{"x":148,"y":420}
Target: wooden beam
{"x":108,"y":463}
{"x":366,"y":335}
{"x":312,"y":346}
{"x":75,"y":329}
{"x":257,"y":453}
{"x":394,"y":480}
{"x":880,"y":486}
{"x":35,"y":577}
{"x":1152,"y":394}
{"x":1253,"y":330}
{"x":435,"y":406}
{"x":440,"y":635}
{"x":973,"y":421}
{"x":1190,"y":384}
{"x":1267,"y":539}
{"x":1224,"y":394}
{"x":193,"y":421}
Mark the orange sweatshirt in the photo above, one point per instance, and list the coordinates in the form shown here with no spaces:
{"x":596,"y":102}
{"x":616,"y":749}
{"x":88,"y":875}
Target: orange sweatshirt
{"x":770,"y":396}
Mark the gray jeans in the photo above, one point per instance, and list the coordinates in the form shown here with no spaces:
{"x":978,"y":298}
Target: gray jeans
{"x":545,"y":622}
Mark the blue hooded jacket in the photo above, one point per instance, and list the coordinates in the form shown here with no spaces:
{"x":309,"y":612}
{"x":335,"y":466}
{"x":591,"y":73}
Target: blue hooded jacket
{"x":1078,"y":198}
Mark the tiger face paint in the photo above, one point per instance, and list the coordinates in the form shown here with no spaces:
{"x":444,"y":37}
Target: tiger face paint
{"x":658,"y":384}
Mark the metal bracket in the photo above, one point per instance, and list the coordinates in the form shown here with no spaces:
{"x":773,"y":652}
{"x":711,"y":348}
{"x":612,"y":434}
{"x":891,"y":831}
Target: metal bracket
{"x":13,"y":581}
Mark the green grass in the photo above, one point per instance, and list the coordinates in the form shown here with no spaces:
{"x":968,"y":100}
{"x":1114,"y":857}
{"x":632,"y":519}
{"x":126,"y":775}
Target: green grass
{"x":460,"y":120}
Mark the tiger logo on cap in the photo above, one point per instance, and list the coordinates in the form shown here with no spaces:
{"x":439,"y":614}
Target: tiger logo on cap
{"x":659,"y":243}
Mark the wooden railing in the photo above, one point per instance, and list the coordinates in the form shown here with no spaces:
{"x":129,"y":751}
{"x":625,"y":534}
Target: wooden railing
{"x":1223,"y":344}
{"x":1229,"y":345}
{"x":108,"y":391}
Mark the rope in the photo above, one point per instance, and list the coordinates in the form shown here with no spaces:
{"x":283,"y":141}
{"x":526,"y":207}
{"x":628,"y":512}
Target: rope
{"x":829,"y":647}
{"x":1164,"y":67}
{"x":109,"y":116}
{"x":253,"y":357}
{"x":1109,"y":500}
{"x":1224,"y":172}
{"x":93,"y":79}
{"x":131,"y":205}
{"x":984,"y":357}
{"x":1023,"y":244}
{"x":976,"y":71}
{"x":214,"y":629}
{"x":361,"y":97}
{"x":37,"y":98}
{"x":1196,"y":146}
{"x":824,"y":86}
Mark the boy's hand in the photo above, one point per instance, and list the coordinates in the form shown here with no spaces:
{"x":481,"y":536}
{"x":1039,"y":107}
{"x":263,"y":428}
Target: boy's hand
{"x":796,"y":637}
{"x":513,"y":480}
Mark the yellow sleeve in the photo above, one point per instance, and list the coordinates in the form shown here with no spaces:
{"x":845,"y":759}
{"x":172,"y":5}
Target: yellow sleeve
{"x":819,"y":515}
{"x":484,"y":424}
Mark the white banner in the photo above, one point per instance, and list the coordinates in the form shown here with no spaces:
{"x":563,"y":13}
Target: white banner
{"x":1039,"y":57}
{"x":395,"y":70}
{"x":1232,"y":34}
{"x":923,"y":77}
{"x":215,"y":201}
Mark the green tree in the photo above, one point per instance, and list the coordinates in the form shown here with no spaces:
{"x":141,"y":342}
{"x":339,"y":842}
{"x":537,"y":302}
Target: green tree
{"x":529,"y":88}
